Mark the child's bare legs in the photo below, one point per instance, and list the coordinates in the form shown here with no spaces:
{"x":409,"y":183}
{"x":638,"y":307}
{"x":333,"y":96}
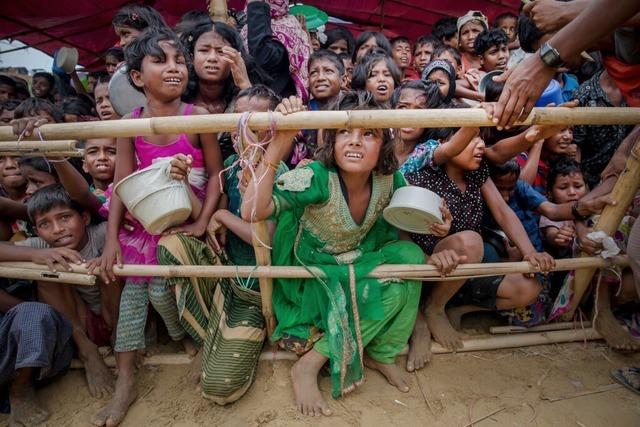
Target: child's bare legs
{"x":63,"y":299}
{"x":304,"y":375}
{"x":110,"y":304}
{"x":419,"y":344}
{"x":606,"y":323}
{"x":469,"y":244}
{"x":514,"y":291}
{"x":125,"y":394}
{"x":25,"y":409}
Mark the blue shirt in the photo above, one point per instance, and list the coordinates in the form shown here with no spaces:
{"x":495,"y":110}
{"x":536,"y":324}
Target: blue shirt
{"x":569,"y":85}
{"x":524,"y":201}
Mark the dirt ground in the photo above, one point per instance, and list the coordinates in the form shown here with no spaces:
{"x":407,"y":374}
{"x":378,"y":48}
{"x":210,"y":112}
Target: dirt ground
{"x":452,"y":391}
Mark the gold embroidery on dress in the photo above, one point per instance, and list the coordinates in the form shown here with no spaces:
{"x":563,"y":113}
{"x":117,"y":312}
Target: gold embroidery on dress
{"x":332,"y":223}
{"x":295,"y":180}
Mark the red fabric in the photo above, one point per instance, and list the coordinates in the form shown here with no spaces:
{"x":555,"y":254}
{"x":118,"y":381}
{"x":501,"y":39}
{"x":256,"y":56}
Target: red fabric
{"x":97,"y":330}
{"x":626,"y":77}
{"x":48,"y":25}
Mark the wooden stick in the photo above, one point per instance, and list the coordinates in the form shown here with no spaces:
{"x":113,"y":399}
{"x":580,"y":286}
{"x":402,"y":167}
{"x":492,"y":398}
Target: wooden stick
{"x":74,"y":153}
{"x":623,"y":193}
{"x":408,"y":271}
{"x":601,"y":389}
{"x":472,"y":423}
{"x":218,"y":11}
{"x":38,"y":145}
{"x":425,"y":118}
{"x":559,"y":326}
{"x":11,"y":272}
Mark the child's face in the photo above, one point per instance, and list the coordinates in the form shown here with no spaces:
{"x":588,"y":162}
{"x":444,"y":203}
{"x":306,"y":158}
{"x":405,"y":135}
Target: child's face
{"x":164,"y":78}
{"x":568,"y":188}
{"x":36,"y":179}
{"x":10,"y":175}
{"x":126,"y":34}
{"x":495,"y":58}
{"x":5,"y":117}
{"x":339,"y":46}
{"x":422,"y":55}
{"x":506,"y":185}
{"x":348,"y":73}
{"x":315,"y":43}
{"x":100,"y":159}
{"x":560,"y":143}
{"x":7,"y":92}
{"x":251,"y":104}
{"x":63,"y":227}
{"x":468,"y":34}
{"x":91,"y":84}
{"x":103,"y":103}
{"x":40,"y":87}
{"x":448,"y":56}
{"x":208,"y":61}
{"x":452,"y":42}
{"x":357,"y":150}
{"x":509,"y":25}
{"x":401,"y":54}
{"x":380,"y":82}
{"x":471,"y":157}
{"x":110,"y":64}
{"x":411,"y":99}
{"x":324,"y":79}
{"x":366,"y":48}
{"x":442,"y":78}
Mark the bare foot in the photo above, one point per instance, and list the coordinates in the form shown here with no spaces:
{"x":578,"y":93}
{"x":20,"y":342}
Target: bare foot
{"x":615,"y":335}
{"x":304,"y":375}
{"x":25,"y":410}
{"x":99,"y":378}
{"x":391,"y":372}
{"x":190,"y":347}
{"x":454,"y":314}
{"x":442,"y":330}
{"x":195,"y":370}
{"x":115,"y":411}
{"x":419,"y":345}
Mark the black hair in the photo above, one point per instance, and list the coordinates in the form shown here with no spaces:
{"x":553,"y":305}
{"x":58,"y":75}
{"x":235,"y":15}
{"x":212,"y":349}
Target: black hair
{"x":260,"y":91}
{"x":363,"y":69}
{"x":381,"y":41}
{"x":6,"y":80}
{"x":98,"y":74}
{"x":445,"y":28}
{"x":38,"y":163}
{"x":562,"y":166}
{"x":22,"y":87}
{"x":77,"y":105}
{"x":492,"y":91}
{"x":9,"y":105}
{"x":190,"y":37}
{"x":528,"y":34}
{"x":504,"y":15}
{"x":116,"y":52}
{"x":427,"y":39}
{"x":30,"y":107}
{"x":138,"y":17}
{"x":448,"y":68}
{"x":358,"y":100}
{"x":49,"y":197}
{"x":148,"y":44}
{"x":488,"y":39}
{"x":510,"y":167}
{"x":339,"y":33}
{"x":103,"y":79}
{"x":429,"y":88}
{"x":329,"y":55}
{"x":191,"y":19}
{"x":399,"y":39}
{"x":452,"y":50}
{"x":344,"y":56}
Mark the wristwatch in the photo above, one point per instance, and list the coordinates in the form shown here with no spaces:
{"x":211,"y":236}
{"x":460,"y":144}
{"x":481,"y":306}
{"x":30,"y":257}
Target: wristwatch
{"x":576,"y":214}
{"x":550,"y":56}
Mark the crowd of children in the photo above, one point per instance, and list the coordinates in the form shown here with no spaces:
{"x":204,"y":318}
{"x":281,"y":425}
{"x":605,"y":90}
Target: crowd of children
{"x":526,"y":193}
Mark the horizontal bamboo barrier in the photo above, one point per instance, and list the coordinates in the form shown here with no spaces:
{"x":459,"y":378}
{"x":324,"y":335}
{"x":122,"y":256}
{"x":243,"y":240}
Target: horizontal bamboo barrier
{"x":402,"y":271}
{"x":38,"y":145}
{"x":486,"y":343}
{"x":11,"y":271}
{"x":558,"y":326}
{"x":39,"y":153}
{"x":423,"y":118}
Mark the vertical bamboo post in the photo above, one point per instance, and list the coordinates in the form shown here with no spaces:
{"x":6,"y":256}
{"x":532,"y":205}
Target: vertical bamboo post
{"x":218,"y":10}
{"x":623,"y":193}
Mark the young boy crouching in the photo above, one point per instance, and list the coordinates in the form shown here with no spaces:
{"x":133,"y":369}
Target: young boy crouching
{"x":66,"y":237}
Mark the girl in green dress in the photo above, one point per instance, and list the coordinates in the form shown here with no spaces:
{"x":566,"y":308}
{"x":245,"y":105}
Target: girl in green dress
{"x":329,"y":216}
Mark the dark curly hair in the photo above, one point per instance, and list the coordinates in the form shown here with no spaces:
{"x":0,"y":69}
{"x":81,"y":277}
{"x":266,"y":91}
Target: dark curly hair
{"x":359,"y":100}
{"x":562,"y":166}
{"x":337,"y":34}
{"x":362,"y":70}
{"x":490,"y":38}
{"x":31,"y":107}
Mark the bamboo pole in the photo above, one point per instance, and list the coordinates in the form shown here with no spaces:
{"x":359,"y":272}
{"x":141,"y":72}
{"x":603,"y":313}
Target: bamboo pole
{"x":210,"y":123}
{"x":37,"y":145}
{"x":406,"y":271}
{"x":45,"y":153}
{"x":623,"y":193}
{"x":16,"y":272}
{"x":558,"y":326}
{"x":218,"y":11}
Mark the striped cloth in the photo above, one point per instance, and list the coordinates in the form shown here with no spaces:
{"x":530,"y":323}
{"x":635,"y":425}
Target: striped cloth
{"x":222,"y":316}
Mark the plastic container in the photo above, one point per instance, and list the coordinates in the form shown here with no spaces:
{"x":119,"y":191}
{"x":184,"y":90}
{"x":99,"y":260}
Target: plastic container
{"x":552,"y":94}
{"x":123,"y":96}
{"x":154,"y":198}
{"x":67,"y":59}
{"x":414,"y":209}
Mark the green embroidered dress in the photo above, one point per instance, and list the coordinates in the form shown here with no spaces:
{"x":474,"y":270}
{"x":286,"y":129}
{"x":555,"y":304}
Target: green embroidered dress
{"x":344,"y":314}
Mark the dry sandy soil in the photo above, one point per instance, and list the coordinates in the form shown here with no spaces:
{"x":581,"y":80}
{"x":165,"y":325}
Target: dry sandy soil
{"x":452,"y":391}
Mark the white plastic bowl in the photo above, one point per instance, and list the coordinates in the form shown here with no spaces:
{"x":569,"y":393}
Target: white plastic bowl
{"x":414,"y":209}
{"x":123,"y":96}
{"x":67,"y":59}
{"x":154,"y":199}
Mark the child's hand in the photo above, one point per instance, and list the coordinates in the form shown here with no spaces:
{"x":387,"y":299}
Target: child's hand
{"x":441,"y":230}
{"x":589,"y":247}
{"x":194,"y":230}
{"x":51,"y":256}
{"x":542,"y":261}
{"x":446,"y":261}
{"x":180,"y":167}
{"x":237,"y":65}
{"x":594,"y":206}
{"x":216,"y":233}
{"x":111,"y":254}
{"x":537,"y":132}
{"x":489,"y":108}
{"x":290,"y":105}
{"x":564,"y":237}
{"x":26,"y":125}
